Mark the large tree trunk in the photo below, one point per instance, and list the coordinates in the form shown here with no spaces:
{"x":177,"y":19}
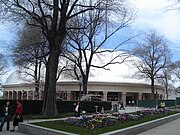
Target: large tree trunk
{"x":49,"y":100}
{"x":85,"y":88}
{"x":152,"y":95}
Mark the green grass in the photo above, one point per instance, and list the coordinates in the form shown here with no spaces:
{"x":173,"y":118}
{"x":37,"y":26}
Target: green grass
{"x":58,"y":125}
{"x":60,"y":115}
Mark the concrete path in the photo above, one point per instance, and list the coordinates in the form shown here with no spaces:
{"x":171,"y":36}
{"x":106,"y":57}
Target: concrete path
{"x":4,"y":132}
{"x":10,"y":133}
{"x":171,"y":128}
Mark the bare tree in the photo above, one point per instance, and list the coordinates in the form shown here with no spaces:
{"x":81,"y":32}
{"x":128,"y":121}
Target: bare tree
{"x":86,"y":43}
{"x":155,"y":55}
{"x":3,"y":64}
{"x":167,"y":80}
{"x":176,"y":69}
{"x":52,"y":17}
{"x":29,"y":55}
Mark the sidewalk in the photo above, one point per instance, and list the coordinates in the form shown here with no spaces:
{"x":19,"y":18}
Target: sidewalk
{"x":4,"y":132}
{"x":127,"y":110}
{"x":171,"y":128}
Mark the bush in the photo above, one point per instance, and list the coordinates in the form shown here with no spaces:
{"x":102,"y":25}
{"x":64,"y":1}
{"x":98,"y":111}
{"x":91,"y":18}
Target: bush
{"x":35,"y":106}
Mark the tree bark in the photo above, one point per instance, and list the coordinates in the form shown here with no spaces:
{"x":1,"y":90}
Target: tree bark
{"x":152,"y":90}
{"x":49,"y":100}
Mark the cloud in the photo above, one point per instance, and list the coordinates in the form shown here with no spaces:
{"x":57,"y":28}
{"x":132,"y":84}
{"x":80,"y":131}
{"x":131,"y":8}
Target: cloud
{"x":153,"y":14}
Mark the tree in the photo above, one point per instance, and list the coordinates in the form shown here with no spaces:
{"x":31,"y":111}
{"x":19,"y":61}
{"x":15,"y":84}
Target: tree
{"x":176,"y":69}
{"x":85,"y":43}
{"x":176,"y":72}
{"x":155,"y":56}
{"x":29,"y":55}
{"x":53,"y":18}
{"x":3,"y":64}
{"x":167,"y":80}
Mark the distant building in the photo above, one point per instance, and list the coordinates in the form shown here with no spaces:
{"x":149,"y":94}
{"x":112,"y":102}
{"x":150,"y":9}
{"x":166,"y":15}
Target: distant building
{"x":119,"y":81}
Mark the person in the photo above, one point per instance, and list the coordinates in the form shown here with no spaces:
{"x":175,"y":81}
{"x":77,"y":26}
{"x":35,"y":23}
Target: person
{"x":102,"y":110}
{"x":18,"y":115}
{"x":74,"y":107}
{"x":133,"y":102}
{"x":162,"y":104}
{"x":77,"y":110}
{"x":121,"y":105}
{"x":7,"y":114}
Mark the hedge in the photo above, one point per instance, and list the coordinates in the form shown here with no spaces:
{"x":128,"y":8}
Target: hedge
{"x":35,"y":106}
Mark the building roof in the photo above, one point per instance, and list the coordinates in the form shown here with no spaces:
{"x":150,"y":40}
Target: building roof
{"x":122,"y":72}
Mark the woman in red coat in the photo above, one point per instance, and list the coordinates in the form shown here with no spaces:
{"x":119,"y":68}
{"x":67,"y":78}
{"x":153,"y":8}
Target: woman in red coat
{"x":18,"y":115}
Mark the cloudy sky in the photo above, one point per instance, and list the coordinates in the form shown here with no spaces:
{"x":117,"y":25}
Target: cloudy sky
{"x":151,"y":15}
{"x":158,"y":15}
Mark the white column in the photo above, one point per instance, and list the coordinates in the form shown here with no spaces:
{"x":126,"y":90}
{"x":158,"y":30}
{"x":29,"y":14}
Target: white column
{"x":33,"y":94}
{"x":40,"y":94}
{"x":140,"y":96}
{"x":105,"y":95}
{"x":27,"y":95}
{"x":8,"y":94}
{"x":124,"y":98}
{"x":69,"y":95}
{"x":22,"y":95}
{"x":12,"y":95}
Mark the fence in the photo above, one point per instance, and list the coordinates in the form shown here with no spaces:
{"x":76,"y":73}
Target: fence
{"x":155,"y":103}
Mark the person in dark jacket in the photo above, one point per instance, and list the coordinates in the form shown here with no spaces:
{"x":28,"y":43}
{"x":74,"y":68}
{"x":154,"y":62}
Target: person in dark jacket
{"x":7,"y":114}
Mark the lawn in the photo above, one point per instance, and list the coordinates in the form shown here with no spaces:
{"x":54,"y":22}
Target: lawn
{"x":98,"y":124}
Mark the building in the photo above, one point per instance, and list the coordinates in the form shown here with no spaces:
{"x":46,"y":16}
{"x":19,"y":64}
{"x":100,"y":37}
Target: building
{"x":116,"y":82}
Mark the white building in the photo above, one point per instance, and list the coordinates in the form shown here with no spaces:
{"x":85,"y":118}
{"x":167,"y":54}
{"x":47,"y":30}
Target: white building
{"x":118,"y":81}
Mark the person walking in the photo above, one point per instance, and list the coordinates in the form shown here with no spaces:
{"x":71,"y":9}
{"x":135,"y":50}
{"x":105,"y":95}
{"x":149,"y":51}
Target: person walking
{"x":7,"y":114}
{"x":18,"y":115}
{"x":74,"y":109}
{"x":121,"y":105}
{"x":77,"y":110}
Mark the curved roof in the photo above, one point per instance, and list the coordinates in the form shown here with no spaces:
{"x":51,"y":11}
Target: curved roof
{"x":122,"y":71}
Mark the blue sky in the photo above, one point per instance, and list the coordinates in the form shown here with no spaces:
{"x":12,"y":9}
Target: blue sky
{"x":159,"y":16}
{"x":151,"y":15}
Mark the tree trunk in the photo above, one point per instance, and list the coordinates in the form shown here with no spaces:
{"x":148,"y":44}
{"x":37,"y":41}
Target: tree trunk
{"x":85,"y":88}
{"x":49,"y":100}
{"x":152,"y":90}
{"x":85,"y":81}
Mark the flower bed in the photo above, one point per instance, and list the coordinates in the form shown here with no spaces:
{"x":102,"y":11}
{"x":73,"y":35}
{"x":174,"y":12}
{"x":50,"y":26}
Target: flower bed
{"x":104,"y":120}
{"x":102,"y":123}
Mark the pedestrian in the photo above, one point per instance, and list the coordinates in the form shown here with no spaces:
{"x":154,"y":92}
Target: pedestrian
{"x":77,"y":110}
{"x":121,"y":105}
{"x":162,"y":105}
{"x":18,"y":115}
{"x":74,"y":107}
{"x":7,"y":114}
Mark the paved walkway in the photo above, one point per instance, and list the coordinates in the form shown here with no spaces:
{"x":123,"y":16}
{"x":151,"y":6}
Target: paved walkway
{"x":171,"y":128}
{"x":4,"y":132}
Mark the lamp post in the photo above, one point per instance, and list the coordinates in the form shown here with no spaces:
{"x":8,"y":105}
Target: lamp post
{"x":80,"y":84}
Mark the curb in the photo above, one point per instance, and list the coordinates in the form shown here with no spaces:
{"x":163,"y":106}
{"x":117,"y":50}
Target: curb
{"x":133,"y":130}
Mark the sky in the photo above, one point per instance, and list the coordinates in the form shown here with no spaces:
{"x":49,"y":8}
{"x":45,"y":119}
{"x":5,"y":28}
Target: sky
{"x":158,"y":15}
{"x":150,"y":15}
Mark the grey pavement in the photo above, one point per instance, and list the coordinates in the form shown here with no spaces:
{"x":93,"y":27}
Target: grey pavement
{"x":4,"y":132}
{"x":171,"y":128}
